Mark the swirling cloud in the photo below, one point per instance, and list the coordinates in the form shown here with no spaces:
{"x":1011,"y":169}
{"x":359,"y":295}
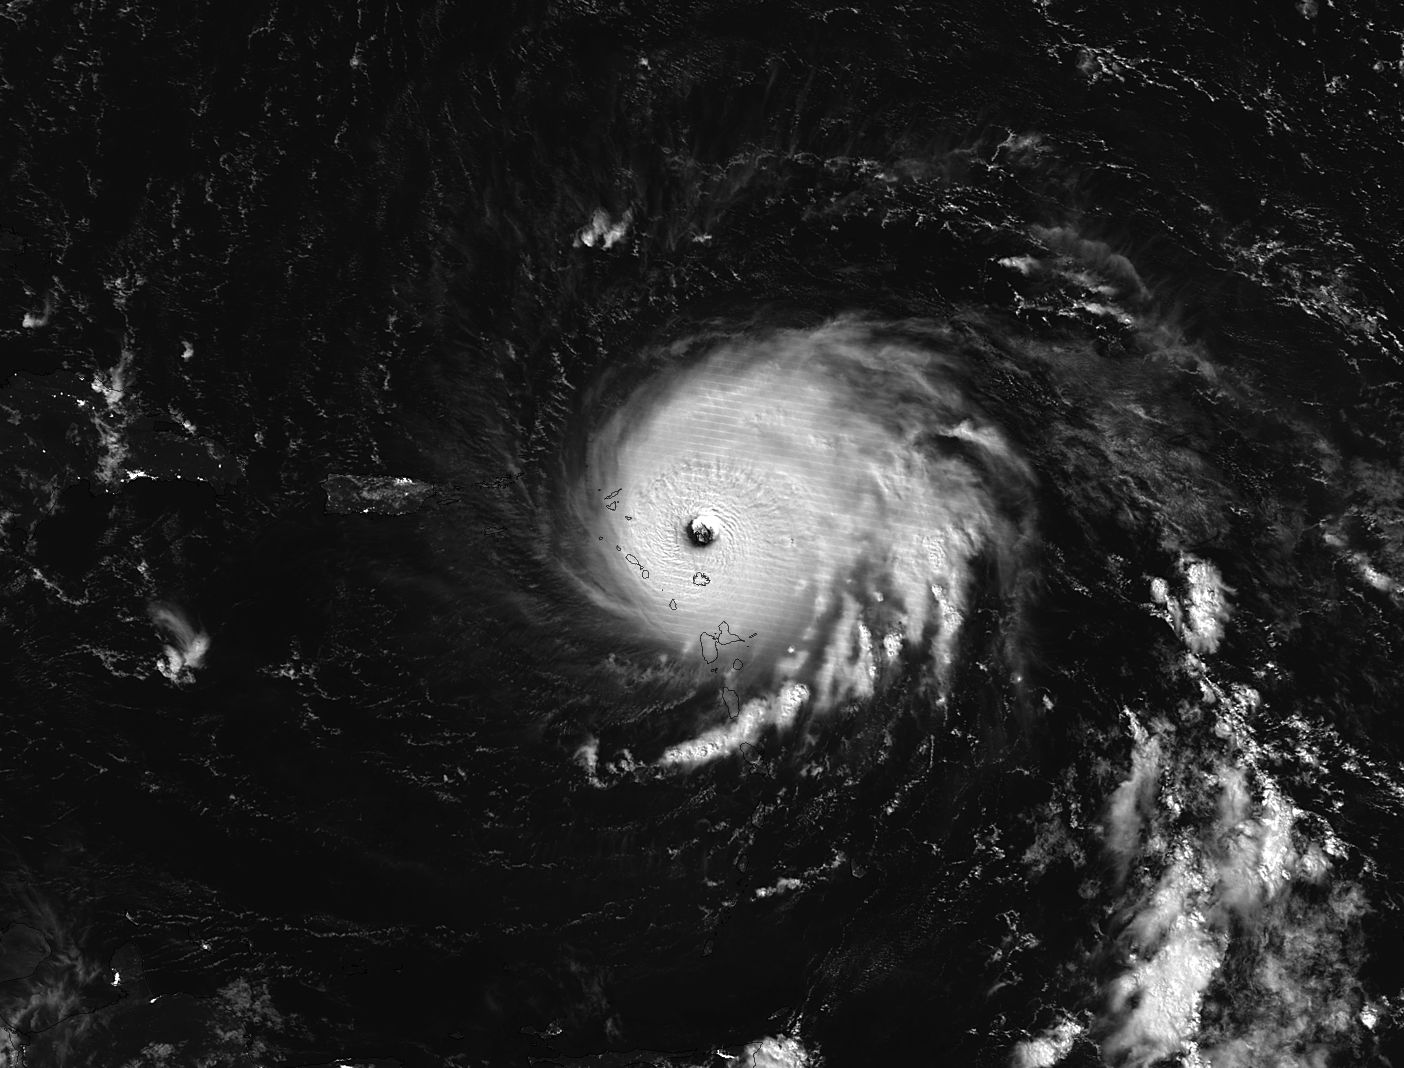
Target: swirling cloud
{"x":823,"y":497}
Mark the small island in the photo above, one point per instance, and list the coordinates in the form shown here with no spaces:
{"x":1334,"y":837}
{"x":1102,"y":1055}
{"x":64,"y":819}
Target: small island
{"x":711,"y":641}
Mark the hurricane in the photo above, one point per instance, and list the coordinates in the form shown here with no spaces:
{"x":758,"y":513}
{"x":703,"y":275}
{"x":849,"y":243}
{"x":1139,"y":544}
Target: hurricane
{"x":802,"y":515}
{"x":754,"y":534}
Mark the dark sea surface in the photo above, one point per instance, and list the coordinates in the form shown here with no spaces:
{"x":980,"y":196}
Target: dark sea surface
{"x":330,"y":733}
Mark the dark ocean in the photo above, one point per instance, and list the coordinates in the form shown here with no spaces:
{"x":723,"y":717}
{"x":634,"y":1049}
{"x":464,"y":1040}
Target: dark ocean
{"x":1032,"y":371}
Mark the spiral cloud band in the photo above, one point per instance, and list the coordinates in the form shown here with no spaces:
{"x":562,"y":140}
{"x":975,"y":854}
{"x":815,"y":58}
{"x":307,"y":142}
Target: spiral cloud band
{"x":798,"y":516}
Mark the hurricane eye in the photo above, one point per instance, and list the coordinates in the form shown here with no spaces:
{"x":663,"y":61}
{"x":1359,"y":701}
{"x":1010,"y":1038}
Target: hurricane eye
{"x":704,"y":528}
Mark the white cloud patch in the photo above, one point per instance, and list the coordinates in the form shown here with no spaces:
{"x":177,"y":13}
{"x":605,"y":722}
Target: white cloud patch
{"x":110,"y":421}
{"x":1207,"y":609}
{"x":776,"y":1052}
{"x":1201,"y":616}
{"x":1217,"y":867}
{"x":187,"y":646}
{"x":758,"y":713}
{"x":1047,"y":1049}
{"x":604,"y":232}
{"x":40,"y":319}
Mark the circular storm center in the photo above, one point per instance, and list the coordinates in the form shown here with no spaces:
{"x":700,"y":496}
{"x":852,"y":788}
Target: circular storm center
{"x":704,"y":529}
